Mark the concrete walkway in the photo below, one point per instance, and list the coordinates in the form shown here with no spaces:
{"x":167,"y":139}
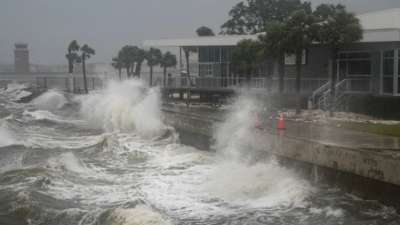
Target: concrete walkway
{"x":331,"y":135}
{"x":321,"y":133}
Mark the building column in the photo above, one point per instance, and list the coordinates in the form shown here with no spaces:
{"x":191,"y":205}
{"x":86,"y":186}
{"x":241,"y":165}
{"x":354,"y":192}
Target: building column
{"x":396,"y":72}
{"x":180,"y":59}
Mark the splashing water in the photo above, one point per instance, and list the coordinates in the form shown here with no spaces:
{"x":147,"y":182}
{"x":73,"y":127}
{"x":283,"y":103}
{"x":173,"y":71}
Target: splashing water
{"x":6,"y":136}
{"x":125,"y":106}
{"x":236,"y":131}
{"x":50,"y":100}
{"x":98,"y":166}
{"x":237,"y":177}
{"x":139,"y":215}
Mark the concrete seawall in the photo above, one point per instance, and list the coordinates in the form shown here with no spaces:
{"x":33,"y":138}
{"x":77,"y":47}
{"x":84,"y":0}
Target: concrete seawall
{"x":371,"y":173}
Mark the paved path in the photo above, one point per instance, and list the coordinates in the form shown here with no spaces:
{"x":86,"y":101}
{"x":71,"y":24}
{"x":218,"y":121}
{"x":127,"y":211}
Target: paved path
{"x":326,"y":134}
{"x":329,"y":134}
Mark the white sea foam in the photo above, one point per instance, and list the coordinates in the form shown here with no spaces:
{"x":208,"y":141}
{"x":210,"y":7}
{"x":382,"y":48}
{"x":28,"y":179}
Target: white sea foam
{"x":6,"y":136}
{"x":124,"y":106}
{"x":69,"y":162}
{"x":140,"y":215}
{"x":237,"y":178}
{"x":328,"y":211}
{"x":259,"y":185}
{"x":16,"y":91}
{"x":50,"y":100}
{"x":47,"y":115}
{"x":237,"y":130}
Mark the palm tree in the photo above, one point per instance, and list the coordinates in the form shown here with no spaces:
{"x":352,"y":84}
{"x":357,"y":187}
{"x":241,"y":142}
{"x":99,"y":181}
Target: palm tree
{"x":72,"y":55}
{"x":246,"y":57}
{"x":117,"y":64}
{"x":300,"y":37}
{"x":139,"y":59}
{"x":187,"y":51}
{"x":335,"y":28}
{"x":86,"y":52}
{"x":167,"y":60}
{"x":153,"y":57}
{"x":128,"y":54}
{"x":204,"y":31}
{"x":275,"y":46}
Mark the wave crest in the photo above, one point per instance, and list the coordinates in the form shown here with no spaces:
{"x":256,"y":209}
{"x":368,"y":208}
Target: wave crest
{"x":124,"y":106}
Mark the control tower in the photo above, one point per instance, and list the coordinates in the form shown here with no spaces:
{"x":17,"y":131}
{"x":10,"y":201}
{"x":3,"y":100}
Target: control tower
{"x":21,"y":58}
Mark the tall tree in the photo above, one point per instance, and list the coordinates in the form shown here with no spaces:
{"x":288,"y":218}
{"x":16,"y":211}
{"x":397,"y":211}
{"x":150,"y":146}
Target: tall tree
{"x":275,"y":45}
{"x":168,"y":60}
{"x":204,"y":31}
{"x":86,"y":53}
{"x":251,"y":16}
{"x":335,"y":28}
{"x":187,"y":50}
{"x":72,"y":55}
{"x":300,"y":37}
{"x":139,"y":58}
{"x":128,"y":55}
{"x":118,"y":65}
{"x":246,"y":56}
{"x":153,"y":58}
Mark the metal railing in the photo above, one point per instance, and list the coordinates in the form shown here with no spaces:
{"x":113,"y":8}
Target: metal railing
{"x":342,"y":89}
{"x":308,"y":85}
{"x":62,"y":82}
{"x":320,"y":91}
{"x":73,"y":84}
{"x":214,"y":83}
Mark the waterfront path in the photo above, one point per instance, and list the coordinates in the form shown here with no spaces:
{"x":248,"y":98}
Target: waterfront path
{"x":332,"y":135}
{"x":327,"y":134}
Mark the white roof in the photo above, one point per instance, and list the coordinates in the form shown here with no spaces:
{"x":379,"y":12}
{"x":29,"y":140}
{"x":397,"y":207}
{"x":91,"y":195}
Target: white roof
{"x":379,"y":26}
{"x":220,"y":40}
{"x":383,"y":19}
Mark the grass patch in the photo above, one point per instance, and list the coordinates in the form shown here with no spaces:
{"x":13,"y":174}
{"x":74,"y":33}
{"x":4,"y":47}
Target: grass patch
{"x":382,"y":129}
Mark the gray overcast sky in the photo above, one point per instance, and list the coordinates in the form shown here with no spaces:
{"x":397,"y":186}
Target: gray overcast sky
{"x":106,"y":25}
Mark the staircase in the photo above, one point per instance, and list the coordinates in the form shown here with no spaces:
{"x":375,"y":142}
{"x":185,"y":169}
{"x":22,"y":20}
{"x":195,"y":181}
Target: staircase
{"x":340,"y":98}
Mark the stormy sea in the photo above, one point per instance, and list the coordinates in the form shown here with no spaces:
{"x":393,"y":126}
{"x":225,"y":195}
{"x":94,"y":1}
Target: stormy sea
{"x":109,"y":158}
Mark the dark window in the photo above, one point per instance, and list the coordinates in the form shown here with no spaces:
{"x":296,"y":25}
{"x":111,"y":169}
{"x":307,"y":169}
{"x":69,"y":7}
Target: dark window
{"x":203,"y":54}
{"x":388,"y":85}
{"x":388,"y":54}
{"x":388,"y":68}
{"x":356,"y":63}
{"x":359,"y":67}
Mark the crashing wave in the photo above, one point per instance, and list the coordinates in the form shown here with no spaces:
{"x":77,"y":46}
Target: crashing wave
{"x":125,"y":106}
{"x":139,"y":215}
{"x":50,"y":100}
{"x":6,"y":136}
{"x":42,"y":115}
{"x":16,"y":91}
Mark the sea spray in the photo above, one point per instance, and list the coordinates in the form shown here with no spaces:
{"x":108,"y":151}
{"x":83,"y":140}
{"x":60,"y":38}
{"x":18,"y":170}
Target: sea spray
{"x":50,"y":100}
{"x":140,"y":215}
{"x":6,"y":136}
{"x":238,"y":178}
{"x":16,"y":91}
{"x":234,"y":135}
{"x":124,"y":106}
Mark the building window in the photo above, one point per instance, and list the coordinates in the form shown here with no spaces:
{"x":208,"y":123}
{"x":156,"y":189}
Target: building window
{"x":356,"y":63}
{"x":206,"y":69}
{"x":388,"y":72}
{"x":290,"y":59}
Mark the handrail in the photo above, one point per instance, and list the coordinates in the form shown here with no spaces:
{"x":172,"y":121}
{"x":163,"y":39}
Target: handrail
{"x":319,"y":90}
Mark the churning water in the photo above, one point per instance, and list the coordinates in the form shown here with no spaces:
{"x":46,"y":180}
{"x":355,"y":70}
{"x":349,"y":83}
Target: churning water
{"x":108,"y":158}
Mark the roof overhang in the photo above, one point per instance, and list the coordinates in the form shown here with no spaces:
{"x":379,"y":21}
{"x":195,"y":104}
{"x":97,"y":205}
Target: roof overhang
{"x":221,"y":40}
{"x":381,"y":35}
